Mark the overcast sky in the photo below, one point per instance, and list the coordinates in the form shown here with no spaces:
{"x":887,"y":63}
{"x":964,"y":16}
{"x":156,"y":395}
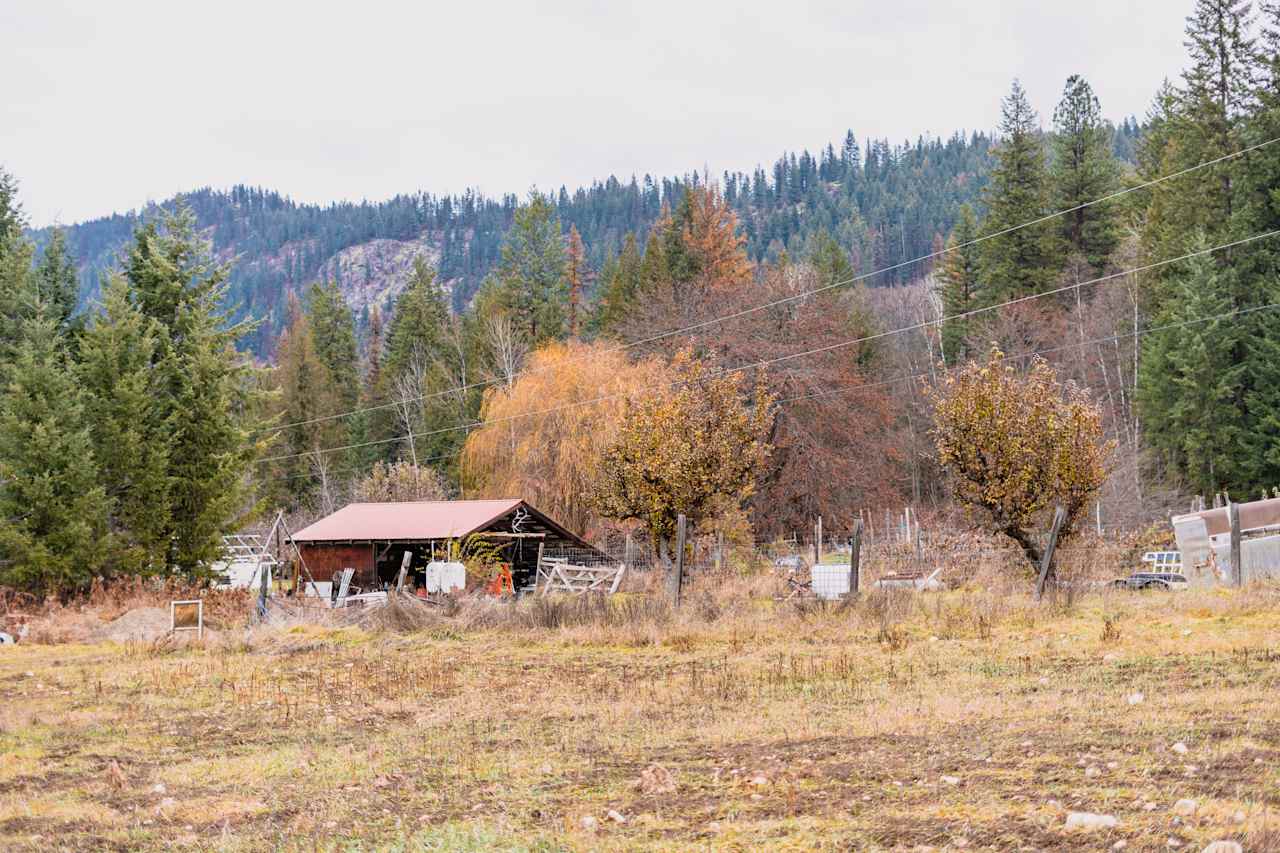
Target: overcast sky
{"x":111,"y":104}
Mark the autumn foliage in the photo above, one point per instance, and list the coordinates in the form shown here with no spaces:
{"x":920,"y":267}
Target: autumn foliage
{"x":544,"y":436}
{"x":1018,"y":444}
{"x":693,"y":448}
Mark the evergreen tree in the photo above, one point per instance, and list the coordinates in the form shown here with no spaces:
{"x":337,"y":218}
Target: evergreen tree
{"x":417,"y":322}
{"x":620,"y":283}
{"x":310,"y":396}
{"x":1084,"y":169}
{"x":1191,"y":380}
{"x":829,"y":260}
{"x":56,"y":282}
{"x":1017,"y":261}
{"x":575,"y":274}
{"x":530,"y":279}
{"x":124,"y":410}
{"x":958,"y":277}
{"x":333,"y":330}
{"x":15,"y":261}
{"x":53,"y":513}
{"x":204,"y":385}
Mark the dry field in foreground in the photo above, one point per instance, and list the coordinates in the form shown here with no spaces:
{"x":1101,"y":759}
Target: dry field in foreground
{"x":974,"y":720}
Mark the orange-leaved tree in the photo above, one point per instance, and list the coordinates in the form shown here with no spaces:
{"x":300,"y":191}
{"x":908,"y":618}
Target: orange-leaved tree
{"x":691,"y":448}
{"x":1017,"y":444}
{"x":543,"y":437}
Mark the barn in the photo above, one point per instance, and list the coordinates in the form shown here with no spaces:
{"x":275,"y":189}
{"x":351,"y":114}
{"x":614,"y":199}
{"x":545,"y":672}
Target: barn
{"x":372,"y":538}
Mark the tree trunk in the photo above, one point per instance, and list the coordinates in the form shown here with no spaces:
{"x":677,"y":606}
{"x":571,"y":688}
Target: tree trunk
{"x":1029,"y":547}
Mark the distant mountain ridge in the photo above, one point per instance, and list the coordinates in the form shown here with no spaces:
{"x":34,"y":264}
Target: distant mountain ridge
{"x":885,"y":204}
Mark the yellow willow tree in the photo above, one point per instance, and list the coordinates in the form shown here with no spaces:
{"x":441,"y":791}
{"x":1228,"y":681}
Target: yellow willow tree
{"x":545,"y":435}
{"x":1018,"y":444}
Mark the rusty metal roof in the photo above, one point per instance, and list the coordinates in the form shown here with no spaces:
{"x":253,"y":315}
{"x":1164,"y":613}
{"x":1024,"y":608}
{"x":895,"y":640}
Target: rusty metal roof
{"x":380,"y":522}
{"x":1254,"y":515}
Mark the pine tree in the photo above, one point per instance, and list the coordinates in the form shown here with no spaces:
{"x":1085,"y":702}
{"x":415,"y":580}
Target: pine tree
{"x":530,"y":279}
{"x":1084,"y":169}
{"x":1018,"y":259}
{"x":620,"y":283}
{"x":417,"y":322}
{"x":829,"y":260}
{"x":123,"y":408}
{"x":53,"y":513}
{"x":958,"y":277}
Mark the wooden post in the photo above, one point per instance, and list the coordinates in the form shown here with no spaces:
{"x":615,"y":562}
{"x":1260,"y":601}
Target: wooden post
{"x":677,"y":575}
{"x":855,"y":557}
{"x":1237,"y":562}
{"x":817,"y":542}
{"x":1046,"y":562}
{"x":719,"y":550}
{"x":626,"y":552}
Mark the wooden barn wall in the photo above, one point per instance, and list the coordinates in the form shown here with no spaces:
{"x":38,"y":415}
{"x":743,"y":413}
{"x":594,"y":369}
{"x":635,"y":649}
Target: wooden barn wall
{"x":325,"y":561}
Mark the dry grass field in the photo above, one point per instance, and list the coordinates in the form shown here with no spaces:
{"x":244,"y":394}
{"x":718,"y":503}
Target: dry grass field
{"x":972,"y":720}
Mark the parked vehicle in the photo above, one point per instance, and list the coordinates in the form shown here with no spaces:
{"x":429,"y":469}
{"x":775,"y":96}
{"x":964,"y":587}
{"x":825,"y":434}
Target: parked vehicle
{"x":1163,"y":561}
{"x":1152,"y":580}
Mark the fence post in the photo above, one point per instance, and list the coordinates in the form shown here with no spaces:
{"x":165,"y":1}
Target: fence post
{"x":1046,"y":561}
{"x":626,"y":553}
{"x":855,"y":558}
{"x":719,"y":549}
{"x":1237,"y":561}
{"x":817,"y":542}
{"x":677,"y":576}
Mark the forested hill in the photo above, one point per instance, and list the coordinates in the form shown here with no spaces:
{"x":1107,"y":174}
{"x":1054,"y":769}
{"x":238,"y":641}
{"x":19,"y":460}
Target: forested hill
{"x":884,"y":203}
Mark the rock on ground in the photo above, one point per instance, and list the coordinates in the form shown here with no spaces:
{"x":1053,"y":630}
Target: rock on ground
{"x":1089,"y":821}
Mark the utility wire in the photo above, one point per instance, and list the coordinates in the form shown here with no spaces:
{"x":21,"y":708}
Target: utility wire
{"x":788,"y":357}
{"x":796,"y":296}
{"x":862,"y":386}
{"x":1078,"y":344}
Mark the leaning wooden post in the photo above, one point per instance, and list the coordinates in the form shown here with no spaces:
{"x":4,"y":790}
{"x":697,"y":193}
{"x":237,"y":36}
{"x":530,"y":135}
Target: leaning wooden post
{"x":677,"y":575}
{"x":855,"y":558}
{"x":1237,"y":561}
{"x":1046,"y":562}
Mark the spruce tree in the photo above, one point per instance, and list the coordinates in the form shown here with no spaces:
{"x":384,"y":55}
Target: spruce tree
{"x":958,"y":277}
{"x":15,"y":261}
{"x":333,"y":330}
{"x":1018,"y":259}
{"x":53,"y":512}
{"x":174,"y":281}
{"x":1084,"y":170}
{"x":124,"y":408}
{"x":1191,"y":379}
{"x":57,"y":283}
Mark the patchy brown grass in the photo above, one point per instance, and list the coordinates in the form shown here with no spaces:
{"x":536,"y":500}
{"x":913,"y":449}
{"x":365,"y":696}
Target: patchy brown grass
{"x":974,"y":718}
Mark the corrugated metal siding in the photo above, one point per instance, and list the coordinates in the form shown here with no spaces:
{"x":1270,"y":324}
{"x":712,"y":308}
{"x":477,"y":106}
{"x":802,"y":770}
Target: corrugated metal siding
{"x":324,"y":561}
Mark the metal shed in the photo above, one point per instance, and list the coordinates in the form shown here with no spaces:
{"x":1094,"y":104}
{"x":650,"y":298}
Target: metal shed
{"x":372,"y":538}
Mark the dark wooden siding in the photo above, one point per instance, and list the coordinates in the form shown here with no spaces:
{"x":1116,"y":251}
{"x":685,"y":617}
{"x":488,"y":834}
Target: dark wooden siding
{"x":324,"y":561}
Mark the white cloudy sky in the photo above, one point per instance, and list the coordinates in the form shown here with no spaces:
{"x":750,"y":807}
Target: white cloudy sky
{"x":111,"y":104}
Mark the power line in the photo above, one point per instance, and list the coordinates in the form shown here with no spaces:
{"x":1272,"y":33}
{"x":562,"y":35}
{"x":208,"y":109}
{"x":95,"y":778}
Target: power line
{"x":782,"y":358}
{"x":1078,"y":344}
{"x":862,"y":386}
{"x":796,"y":296}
